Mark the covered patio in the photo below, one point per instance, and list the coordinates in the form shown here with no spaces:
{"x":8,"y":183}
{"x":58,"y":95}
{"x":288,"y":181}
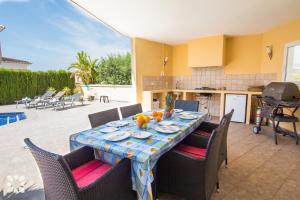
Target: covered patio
{"x":210,"y":109}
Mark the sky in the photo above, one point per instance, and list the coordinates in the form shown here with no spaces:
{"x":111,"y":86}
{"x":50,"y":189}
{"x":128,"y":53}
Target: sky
{"x":49,"y":33}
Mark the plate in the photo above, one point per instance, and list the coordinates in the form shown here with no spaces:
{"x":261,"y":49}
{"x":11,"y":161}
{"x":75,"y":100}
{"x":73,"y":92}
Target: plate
{"x":116,"y":136}
{"x":118,"y":123}
{"x":189,"y":117}
{"x":190,"y":113}
{"x":178,"y":110}
{"x":167,"y":129}
{"x":141,"y":134}
{"x":186,"y":113}
{"x":166,"y":123}
{"x":108,"y":129}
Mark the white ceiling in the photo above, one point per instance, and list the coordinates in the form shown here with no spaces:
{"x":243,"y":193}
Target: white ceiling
{"x":175,"y":21}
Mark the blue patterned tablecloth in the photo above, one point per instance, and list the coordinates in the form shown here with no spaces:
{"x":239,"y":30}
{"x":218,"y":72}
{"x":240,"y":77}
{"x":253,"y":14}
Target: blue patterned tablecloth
{"x":143,"y":153}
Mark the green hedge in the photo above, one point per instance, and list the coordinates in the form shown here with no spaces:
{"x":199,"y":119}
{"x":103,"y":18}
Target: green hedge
{"x":16,"y":84}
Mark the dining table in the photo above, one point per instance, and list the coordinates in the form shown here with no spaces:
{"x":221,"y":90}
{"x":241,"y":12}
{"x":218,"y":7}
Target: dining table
{"x":143,"y":153}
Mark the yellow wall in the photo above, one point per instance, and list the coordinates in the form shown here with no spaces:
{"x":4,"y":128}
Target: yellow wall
{"x":148,"y":61}
{"x":243,"y":54}
{"x":206,"y":51}
{"x":246,"y":54}
{"x":180,"y":61}
{"x":278,"y":37}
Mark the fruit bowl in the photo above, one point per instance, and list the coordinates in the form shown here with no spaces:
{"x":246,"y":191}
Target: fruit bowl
{"x":142,"y":121}
{"x":157,"y":116}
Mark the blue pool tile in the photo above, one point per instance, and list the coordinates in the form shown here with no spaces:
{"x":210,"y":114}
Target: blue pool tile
{"x":6,"y":118}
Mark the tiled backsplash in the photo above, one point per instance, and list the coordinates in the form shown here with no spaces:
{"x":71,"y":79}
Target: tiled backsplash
{"x":208,"y":77}
{"x":157,"y":82}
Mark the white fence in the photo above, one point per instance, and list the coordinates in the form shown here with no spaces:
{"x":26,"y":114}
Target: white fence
{"x":114,"y":92}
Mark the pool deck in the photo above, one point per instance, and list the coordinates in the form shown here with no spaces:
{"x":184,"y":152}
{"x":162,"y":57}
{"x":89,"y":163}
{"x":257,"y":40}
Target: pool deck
{"x":47,"y":128}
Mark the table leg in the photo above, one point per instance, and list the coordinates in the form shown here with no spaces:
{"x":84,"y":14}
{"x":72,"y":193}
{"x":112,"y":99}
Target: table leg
{"x":248,"y":111}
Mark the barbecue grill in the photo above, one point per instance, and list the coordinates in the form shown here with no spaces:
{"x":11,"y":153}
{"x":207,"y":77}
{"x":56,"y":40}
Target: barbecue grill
{"x":275,"y":97}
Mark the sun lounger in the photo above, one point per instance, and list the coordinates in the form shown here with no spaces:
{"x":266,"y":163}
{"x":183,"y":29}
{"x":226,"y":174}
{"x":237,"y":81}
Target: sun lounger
{"x":68,"y":100}
{"x":54,"y":100}
{"x":36,"y":100}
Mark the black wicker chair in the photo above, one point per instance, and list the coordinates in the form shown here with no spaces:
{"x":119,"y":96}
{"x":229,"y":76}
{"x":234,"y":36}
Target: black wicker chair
{"x":187,"y":105}
{"x":78,"y":176}
{"x":205,"y":130}
{"x":131,"y":110}
{"x":191,"y":169}
{"x":100,"y":118}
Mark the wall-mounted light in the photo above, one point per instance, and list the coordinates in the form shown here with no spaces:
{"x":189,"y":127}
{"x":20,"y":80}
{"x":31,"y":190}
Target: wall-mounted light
{"x":166,"y":61}
{"x":162,"y":73}
{"x":2,"y":27}
{"x":269,"y":51}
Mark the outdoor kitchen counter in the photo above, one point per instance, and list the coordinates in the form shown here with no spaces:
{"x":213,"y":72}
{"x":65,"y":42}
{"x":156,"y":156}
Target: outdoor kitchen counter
{"x":187,"y":94}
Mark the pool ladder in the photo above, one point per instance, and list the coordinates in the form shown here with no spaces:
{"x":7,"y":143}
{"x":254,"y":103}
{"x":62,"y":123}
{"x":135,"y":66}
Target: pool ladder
{"x":17,"y":117}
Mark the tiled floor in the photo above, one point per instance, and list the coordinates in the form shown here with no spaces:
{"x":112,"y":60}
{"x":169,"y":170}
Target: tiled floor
{"x":258,"y":169}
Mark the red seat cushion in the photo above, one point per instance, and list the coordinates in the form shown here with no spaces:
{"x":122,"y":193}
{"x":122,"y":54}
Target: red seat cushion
{"x":192,"y":151}
{"x":202,"y":133}
{"x":89,"y":172}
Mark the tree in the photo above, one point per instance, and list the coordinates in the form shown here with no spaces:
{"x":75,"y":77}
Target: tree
{"x":115,"y":70}
{"x":84,"y":68}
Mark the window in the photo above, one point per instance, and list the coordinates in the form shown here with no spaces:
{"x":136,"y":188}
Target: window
{"x":292,"y":62}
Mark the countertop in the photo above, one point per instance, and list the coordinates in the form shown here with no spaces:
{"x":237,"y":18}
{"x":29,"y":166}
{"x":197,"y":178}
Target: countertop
{"x":205,"y":91}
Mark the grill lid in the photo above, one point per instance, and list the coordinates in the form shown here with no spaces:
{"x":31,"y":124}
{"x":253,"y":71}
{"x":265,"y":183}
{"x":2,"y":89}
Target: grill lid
{"x":282,"y":91}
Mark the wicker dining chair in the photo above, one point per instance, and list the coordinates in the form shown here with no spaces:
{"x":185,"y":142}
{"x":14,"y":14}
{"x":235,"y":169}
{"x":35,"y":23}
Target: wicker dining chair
{"x":131,"y":110}
{"x":205,"y":130}
{"x":100,"y":118}
{"x":191,"y":169}
{"x":187,"y":105}
{"x":78,"y":176}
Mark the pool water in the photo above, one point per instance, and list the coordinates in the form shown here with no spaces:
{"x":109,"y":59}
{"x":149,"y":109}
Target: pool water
{"x":6,"y":118}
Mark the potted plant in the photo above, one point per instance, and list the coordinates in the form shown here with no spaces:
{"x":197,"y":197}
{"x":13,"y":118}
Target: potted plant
{"x":67,"y":91}
{"x":78,"y":90}
{"x":91,"y":98}
{"x":51,"y":89}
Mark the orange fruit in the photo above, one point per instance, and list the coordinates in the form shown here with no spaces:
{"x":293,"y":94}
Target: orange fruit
{"x":154,"y":114}
{"x":158,"y":119}
{"x":139,"y":124}
{"x":147,"y":119}
{"x":140,"y":119}
{"x":160,"y":114}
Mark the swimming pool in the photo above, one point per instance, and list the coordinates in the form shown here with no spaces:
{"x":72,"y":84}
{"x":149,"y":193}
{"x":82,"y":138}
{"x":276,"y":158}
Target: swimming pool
{"x":6,"y":118}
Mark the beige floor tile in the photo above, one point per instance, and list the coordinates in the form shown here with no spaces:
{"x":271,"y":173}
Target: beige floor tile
{"x":290,"y":188}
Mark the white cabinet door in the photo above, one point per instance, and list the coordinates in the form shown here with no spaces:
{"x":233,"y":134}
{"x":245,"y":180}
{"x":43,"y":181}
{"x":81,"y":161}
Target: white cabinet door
{"x":238,"y":102}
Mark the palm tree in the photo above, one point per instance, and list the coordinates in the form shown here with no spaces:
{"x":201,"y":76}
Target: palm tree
{"x":84,"y":68}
